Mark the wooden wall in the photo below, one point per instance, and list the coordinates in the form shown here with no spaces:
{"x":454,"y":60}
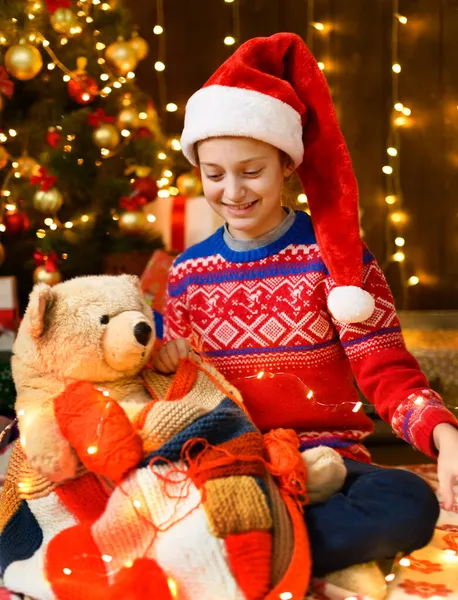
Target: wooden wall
{"x":357,"y":55}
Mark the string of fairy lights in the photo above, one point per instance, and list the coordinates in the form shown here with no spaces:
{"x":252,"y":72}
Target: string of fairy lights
{"x":400,"y":116}
{"x":234,"y":37}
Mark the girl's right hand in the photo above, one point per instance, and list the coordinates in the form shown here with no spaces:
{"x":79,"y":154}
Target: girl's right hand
{"x":168,"y":357}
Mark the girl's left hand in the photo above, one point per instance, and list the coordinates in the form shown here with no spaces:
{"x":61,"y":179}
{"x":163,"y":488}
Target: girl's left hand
{"x":446,"y":440}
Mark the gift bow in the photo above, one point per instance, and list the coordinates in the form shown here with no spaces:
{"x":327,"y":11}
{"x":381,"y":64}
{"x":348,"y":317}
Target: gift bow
{"x":6,"y":85}
{"x":48,"y":260}
{"x":96,"y":118}
{"x":43,"y":178}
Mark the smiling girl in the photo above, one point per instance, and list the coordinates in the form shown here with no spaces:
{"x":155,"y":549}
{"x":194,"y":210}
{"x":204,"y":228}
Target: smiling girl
{"x":277,"y":292}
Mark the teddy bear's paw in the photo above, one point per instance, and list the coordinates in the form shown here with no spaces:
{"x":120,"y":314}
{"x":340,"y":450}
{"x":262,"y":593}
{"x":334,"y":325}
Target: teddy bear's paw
{"x":56,"y":464}
{"x":326,"y":473}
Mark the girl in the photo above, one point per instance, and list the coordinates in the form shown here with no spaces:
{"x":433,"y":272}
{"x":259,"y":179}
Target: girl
{"x":274,"y":293}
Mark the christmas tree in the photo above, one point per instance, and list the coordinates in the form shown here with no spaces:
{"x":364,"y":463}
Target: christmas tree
{"x":81,"y":151}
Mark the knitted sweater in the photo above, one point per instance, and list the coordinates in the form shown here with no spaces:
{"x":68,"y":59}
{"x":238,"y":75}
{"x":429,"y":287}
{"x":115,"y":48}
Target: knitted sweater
{"x":263,"y":312}
{"x":200,"y":506}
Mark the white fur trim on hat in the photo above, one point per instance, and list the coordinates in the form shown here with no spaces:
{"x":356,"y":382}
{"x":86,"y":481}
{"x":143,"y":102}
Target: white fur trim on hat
{"x":219,"y":110}
{"x":350,"y":304}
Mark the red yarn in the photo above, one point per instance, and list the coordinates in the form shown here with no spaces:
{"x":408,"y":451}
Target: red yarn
{"x":286,"y":463}
{"x":145,"y":579}
{"x":99,"y":430}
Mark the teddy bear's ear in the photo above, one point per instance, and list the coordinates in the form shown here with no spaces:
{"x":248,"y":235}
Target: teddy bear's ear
{"x":133,"y":279}
{"x":36,"y":309}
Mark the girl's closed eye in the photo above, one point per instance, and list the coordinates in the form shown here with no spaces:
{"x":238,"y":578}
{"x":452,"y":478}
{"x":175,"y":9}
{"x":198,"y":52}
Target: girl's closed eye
{"x":253,"y":173}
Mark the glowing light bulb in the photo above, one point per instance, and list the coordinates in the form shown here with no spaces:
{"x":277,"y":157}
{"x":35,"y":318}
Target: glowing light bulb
{"x":142,"y":116}
{"x":92,"y":450}
{"x":66,"y":78}
{"x":229,"y":40}
{"x":137,"y":503}
{"x":406,"y":111}
{"x":310,"y":394}
{"x":396,"y":68}
{"x":104,"y":152}
{"x":302,"y":199}
{"x":260,"y":375}
{"x":51,"y":66}
{"x":398,"y":217}
{"x":85,"y":218}
{"x":117,"y":84}
{"x":390,"y":199}
{"x":392,"y":151}
{"x":414,"y":280}
{"x":400,"y":241}
{"x":130,"y":75}
{"x":67,"y":571}
{"x":151,"y":218}
{"x":125,"y":133}
{"x":419,"y":401}
{"x":100,"y":46}
{"x":399,"y":256}
{"x":390,"y":577}
{"x":168,"y":173}
{"x":357,"y":407}
{"x":158,"y":29}
{"x":53,"y":226}
{"x":450,"y":552}
{"x":162,"y":156}
{"x":12,"y":132}
{"x":400,"y":121}
{"x":159,"y":66}
{"x":107,"y":558}
{"x":163,"y":194}
{"x":387,"y":169}
{"x":175,"y":145}
{"x":286,"y":596}
{"x":402,"y":19}
{"x":21,"y":413}
{"x":86,"y":97}
{"x":171,"y":107}
{"x":106,"y":393}
{"x":68,"y":224}
{"x":172,"y":587}
{"x":2,"y":228}
{"x":318,"y":26}
{"x":321,"y":65}
{"x":405,"y":562}
{"x":104,"y":77}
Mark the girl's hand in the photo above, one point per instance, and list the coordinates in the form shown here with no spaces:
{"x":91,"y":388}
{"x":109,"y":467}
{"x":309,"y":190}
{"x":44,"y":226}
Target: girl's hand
{"x":167,"y":358}
{"x":446,"y":440}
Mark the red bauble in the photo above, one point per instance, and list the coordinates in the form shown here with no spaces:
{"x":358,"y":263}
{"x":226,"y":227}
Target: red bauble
{"x":15,"y":222}
{"x":146,"y":187}
{"x":83,"y":89}
{"x":53,"y":138}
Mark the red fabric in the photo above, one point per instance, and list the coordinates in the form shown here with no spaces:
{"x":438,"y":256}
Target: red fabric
{"x":250,"y":556}
{"x":178,"y":223}
{"x":85,"y":497}
{"x":8,"y":318}
{"x":281,"y":66}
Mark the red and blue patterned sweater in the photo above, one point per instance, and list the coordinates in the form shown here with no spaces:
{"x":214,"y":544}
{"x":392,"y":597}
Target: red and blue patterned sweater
{"x":263,"y":313}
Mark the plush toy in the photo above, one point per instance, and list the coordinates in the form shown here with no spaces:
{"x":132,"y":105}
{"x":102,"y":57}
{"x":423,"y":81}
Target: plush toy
{"x":126,"y":480}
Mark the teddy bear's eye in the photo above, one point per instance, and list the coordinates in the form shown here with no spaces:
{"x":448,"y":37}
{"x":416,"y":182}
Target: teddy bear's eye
{"x":104,"y":319}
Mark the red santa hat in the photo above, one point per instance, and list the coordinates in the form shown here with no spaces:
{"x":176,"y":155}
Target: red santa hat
{"x":272,"y":90}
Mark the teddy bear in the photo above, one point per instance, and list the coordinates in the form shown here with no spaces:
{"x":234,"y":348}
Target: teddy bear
{"x":186,"y":491}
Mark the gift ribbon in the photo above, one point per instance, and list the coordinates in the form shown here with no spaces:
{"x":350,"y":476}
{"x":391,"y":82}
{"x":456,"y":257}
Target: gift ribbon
{"x":178,"y":222}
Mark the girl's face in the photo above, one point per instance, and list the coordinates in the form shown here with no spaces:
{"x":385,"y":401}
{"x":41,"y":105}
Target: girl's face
{"x":243,"y":180}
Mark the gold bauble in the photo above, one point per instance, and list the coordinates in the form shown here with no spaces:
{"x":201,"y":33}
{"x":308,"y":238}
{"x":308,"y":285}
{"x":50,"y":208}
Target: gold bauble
{"x":128,"y":118}
{"x":41,"y":275}
{"x":27,"y":167}
{"x":133,"y":222}
{"x":189,"y":185}
{"x":122,"y":57}
{"x":63,"y":20}
{"x":48,"y":202}
{"x":106,"y":136}
{"x":2,"y":254}
{"x":23,"y":61}
{"x":3,"y":157}
{"x":140,"y":46}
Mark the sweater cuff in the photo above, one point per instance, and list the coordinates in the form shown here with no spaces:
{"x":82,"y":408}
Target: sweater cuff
{"x":416,"y":417}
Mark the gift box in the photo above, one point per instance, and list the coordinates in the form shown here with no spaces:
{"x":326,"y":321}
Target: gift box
{"x":9,"y":312}
{"x":183,"y":221}
{"x":154,"y":286}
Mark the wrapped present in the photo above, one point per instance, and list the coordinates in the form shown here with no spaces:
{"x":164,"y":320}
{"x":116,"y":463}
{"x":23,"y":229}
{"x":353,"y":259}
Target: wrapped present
{"x":184,"y":221}
{"x":154,"y":287}
{"x":9,"y":313}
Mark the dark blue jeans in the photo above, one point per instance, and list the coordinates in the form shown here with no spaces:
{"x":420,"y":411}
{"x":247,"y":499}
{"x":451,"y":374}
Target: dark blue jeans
{"x":378,"y":513}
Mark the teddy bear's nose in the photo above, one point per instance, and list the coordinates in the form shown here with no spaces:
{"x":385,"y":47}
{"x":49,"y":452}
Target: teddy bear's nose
{"x":142,"y":333}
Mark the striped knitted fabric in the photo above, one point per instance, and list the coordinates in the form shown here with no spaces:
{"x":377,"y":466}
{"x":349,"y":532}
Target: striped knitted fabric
{"x":264,"y":311}
{"x":199,"y":518}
